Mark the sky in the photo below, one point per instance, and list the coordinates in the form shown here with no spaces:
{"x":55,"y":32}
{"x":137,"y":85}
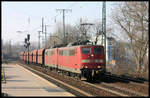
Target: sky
{"x":16,"y":16}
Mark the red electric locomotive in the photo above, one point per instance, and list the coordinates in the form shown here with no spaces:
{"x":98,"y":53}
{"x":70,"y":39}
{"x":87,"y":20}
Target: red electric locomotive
{"x":83,"y":60}
{"x":92,"y":61}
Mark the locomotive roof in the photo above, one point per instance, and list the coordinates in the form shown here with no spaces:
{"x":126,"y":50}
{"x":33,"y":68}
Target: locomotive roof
{"x":73,"y":46}
{"x":83,"y":45}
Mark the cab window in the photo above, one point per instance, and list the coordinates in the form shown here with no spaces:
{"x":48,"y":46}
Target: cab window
{"x":97,"y":50}
{"x":86,"y":50}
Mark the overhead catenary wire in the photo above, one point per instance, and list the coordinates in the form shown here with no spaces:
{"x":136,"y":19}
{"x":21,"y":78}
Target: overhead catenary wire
{"x":70,"y":6}
{"x":54,"y":17}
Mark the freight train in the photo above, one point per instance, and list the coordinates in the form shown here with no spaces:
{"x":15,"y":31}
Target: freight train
{"x":82,"y":61}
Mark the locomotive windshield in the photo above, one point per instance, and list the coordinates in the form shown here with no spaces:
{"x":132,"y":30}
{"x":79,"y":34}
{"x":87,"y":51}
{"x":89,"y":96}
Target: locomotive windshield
{"x":97,"y":50}
{"x":86,"y":50}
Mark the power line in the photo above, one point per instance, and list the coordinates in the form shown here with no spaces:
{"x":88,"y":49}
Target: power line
{"x":66,"y":8}
{"x":52,"y":19}
{"x":46,"y":34}
{"x":39,"y":39}
{"x":42,"y":24}
{"x":63,"y":10}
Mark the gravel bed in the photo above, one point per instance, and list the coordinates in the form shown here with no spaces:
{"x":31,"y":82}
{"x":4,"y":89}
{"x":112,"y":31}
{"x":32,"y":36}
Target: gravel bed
{"x":134,"y":87}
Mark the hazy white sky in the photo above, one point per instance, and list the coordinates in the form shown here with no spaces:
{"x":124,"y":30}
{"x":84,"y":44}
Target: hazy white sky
{"x":15,"y":16}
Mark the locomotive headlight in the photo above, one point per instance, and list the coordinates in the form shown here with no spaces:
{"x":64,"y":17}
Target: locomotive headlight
{"x":92,"y":55}
{"x":98,"y":66}
{"x":85,"y":67}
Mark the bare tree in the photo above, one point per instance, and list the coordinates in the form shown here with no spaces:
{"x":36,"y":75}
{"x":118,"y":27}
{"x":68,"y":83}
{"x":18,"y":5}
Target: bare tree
{"x":133,"y":19}
{"x":83,"y":30}
{"x":56,"y":37}
{"x":97,"y":31}
{"x":73,"y":34}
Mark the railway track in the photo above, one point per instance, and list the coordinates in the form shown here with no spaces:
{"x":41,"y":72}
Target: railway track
{"x":140,"y":89}
{"x":127,"y":78}
{"x":132,"y":81}
{"x":122,"y":90}
{"x":82,"y":88}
